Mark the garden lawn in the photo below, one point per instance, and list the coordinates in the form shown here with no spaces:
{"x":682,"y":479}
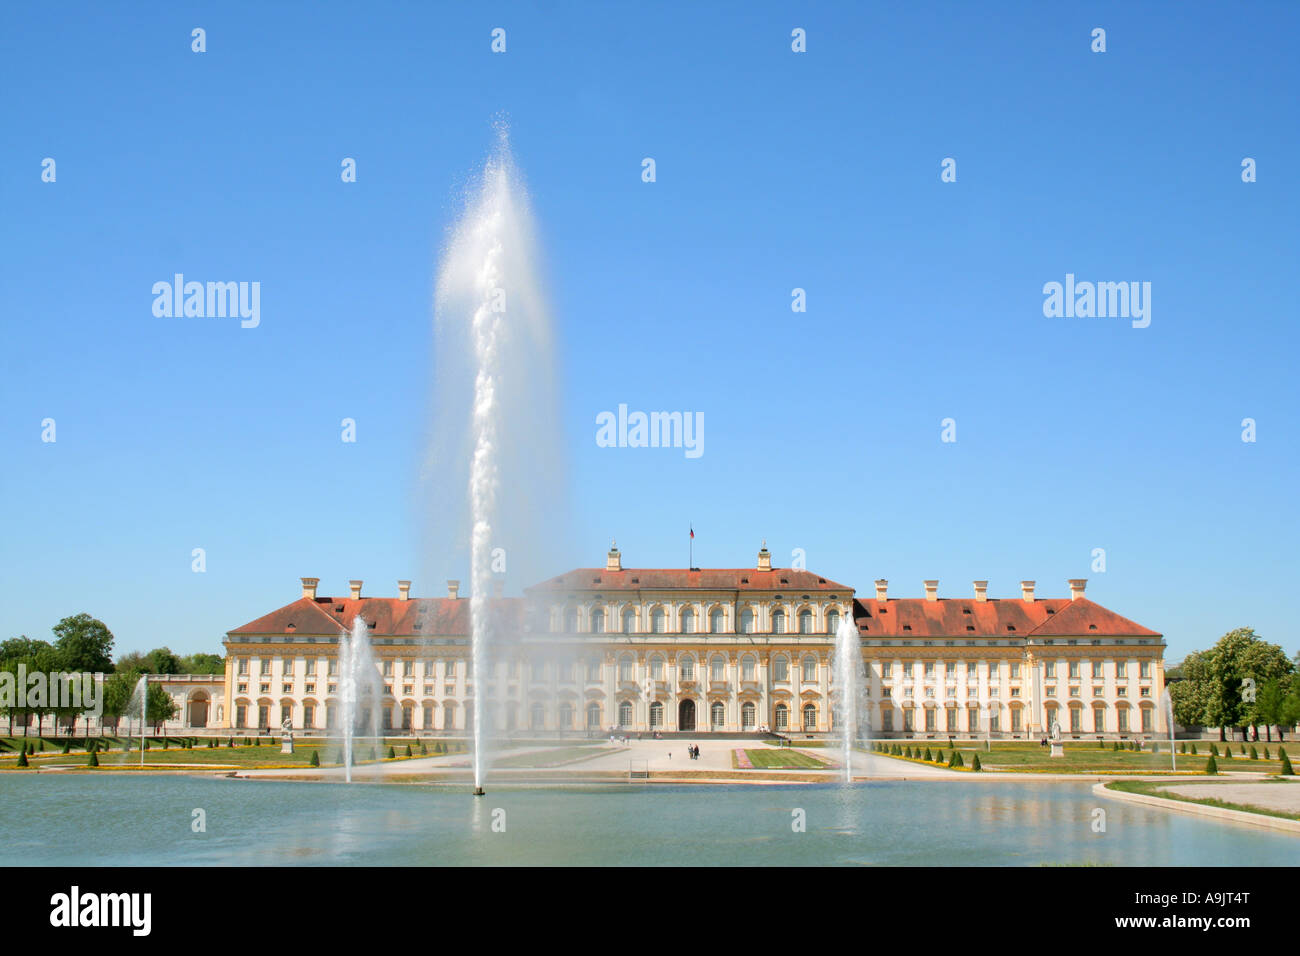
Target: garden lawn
{"x":783,"y":759}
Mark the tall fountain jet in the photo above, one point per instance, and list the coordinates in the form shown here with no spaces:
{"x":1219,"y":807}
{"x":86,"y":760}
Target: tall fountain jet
{"x":358,"y":677}
{"x":848,"y":684}
{"x":496,"y":407}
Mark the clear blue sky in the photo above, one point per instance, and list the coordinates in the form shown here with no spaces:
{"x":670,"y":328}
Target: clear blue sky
{"x":775,"y":170}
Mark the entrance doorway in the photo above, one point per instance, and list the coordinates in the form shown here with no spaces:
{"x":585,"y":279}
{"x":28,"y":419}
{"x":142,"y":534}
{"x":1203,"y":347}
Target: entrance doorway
{"x":686,"y":715}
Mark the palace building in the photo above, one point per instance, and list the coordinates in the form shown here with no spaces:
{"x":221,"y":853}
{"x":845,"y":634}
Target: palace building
{"x":614,"y":649}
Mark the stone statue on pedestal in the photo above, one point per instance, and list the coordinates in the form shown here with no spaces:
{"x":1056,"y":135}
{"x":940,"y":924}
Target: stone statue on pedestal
{"x":286,"y":736}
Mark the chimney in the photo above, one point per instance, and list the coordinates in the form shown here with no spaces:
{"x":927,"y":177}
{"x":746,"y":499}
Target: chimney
{"x":932,"y":590}
{"x":882,"y":590}
{"x":309,"y":588}
{"x":981,"y":591}
{"x":404,"y":590}
{"x":498,"y":587}
{"x":613,"y":560}
{"x":1076,"y":588}
{"x":1026,"y":590}
{"x":764,"y":558}
{"x":356,"y":589}
{"x":453,"y":589}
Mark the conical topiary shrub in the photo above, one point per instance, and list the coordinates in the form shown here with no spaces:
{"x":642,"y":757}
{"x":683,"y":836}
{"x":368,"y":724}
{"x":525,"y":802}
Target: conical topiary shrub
{"x":1227,"y":753}
{"x":1101,"y":744}
{"x":22,"y":756}
{"x":1214,"y":750}
{"x":1182,"y":748}
{"x":938,"y":757}
{"x":955,"y":760}
{"x":1286,"y":770}
{"x":1211,"y":766}
{"x":1193,"y":750}
{"x":94,"y":760}
{"x":975,"y":765}
{"x":314,"y":761}
{"x":1266,"y":756}
{"x":928,"y":755}
{"x":424,"y":751}
{"x":408,"y":750}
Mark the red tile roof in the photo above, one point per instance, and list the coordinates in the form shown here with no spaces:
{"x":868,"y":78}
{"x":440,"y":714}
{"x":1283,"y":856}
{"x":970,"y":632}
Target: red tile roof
{"x":388,"y":617}
{"x":707,"y":579}
{"x":1009,"y":617}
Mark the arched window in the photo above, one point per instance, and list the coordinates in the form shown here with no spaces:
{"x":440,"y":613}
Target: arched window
{"x":778,"y":621}
{"x":717,"y":620}
{"x":747,"y":621}
{"x":656,"y":668}
{"x":598,"y":621}
{"x":593,"y":715}
{"x":688,"y":621}
{"x":805,"y":622}
{"x":449,"y":716}
{"x":536,"y":717}
{"x":625,"y":714}
{"x":625,"y":666}
{"x":658,"y":621}
{"x":629,"y":621}
{"x":566,"y":716}
{"x":747,"y":667}
{"x":780,"y":669}
{"x":716,"y":668}
{"x":832,"y":621}
{"x":747,"y":715}
{"x":657,"y":714}
{"x":717,"y":714}
{"x":809,"y":669}
{"x":782,"y":717}
{"x":809,"y":717}
{"x":570,"y":622}
{"x":687,"y":666}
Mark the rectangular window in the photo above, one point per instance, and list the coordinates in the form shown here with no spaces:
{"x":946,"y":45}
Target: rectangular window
{"x":889,"y":720}
{"x":1074,"y":670}
{"x":243,"y":665}
{"x":1144,"y":670}
{"x":1049,"y":670}
{"x":286,"y":665}
{"x":809,"y":670}
{"x":1121,"y":670}
{"x":1147,"y":726}
{"x":388,"y":668}
{"x":907,"y":669}
{"x":970,"y":671}
{"x":929,"y":669}
{"x":886,"y":670}
{"x":950,"y":670}
{"x":973,"y":720}
{"x":780,"y":669}
{"x":408,"y":668}
{"x":1098,"y":720}
{"x":951,"y":720}
{"x":1015,"y":720}
{"x":263,"y":716}
{"x":1123,"y":720}
{"x":907,"y":721}
{"x":929,"y":720}
{"x":332,"y":668}
{"x":1076,"y":719}
{"x":308,"y":716}
{"x":241,"y":715}
{"x":265,"y":665}
{"x":1015,"y":670}
{"x":311,"y":667}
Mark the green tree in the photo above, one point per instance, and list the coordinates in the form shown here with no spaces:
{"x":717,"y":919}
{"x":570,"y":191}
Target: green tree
{"x":202,"y":664}
{"x":118,"y":688}
{"x":1270,"y":705}
{"x":84,"y":644}
{"x":160,"y":706}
